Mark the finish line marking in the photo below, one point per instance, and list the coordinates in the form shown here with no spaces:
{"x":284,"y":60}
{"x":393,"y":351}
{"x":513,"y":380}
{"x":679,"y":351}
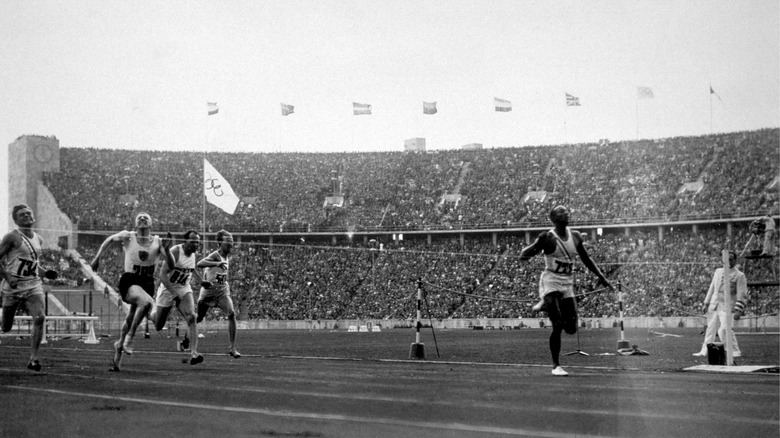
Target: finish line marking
{"x":360,"y":359}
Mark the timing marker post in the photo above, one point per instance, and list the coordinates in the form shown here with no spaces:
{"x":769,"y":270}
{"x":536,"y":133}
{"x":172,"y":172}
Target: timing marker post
{"x":418,"y":350}
{"x":623,"y":346}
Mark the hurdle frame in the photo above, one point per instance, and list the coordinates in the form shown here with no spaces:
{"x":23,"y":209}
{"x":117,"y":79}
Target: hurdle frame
{"x":18,"y":329}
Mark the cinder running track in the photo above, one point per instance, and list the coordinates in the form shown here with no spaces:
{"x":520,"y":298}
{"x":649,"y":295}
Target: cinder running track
{"x":337,"y":392}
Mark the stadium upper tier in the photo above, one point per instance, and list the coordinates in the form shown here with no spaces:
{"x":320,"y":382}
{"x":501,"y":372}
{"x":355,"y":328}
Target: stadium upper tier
{"x":723,"y":175}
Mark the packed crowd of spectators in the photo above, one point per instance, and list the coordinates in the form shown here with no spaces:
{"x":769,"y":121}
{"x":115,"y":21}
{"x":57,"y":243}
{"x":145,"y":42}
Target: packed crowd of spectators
{"x":622,"y":182}
{"x":313,"y":279}
{"x":627,"y":182}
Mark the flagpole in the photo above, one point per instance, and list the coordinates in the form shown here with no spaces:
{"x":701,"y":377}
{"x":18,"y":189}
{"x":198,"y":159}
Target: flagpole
{"x":710,"y":108}
{"x":132,"y":126}
{"x":203,"y":184}
{"x":352,"y":131}
{"x":203,"y":201}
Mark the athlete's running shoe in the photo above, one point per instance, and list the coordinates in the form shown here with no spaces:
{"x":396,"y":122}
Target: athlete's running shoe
{"x":34,"y":365}
{"x":558,"y":371}
{"x":194,"y":360}
{"x":539,"y":307}
{"x":115,"y":361}
{"x":234,"y":353}
{"x":127,"y":347}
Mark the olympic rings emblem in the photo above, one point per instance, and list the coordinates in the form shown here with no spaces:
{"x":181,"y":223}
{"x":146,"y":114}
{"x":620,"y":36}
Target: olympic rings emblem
{"x":213,"y":184}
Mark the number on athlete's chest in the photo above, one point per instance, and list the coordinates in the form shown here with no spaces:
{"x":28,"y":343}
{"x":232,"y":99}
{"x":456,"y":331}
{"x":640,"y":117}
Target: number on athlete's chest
{"x":27,"y":267}
{"x":181,"y":275}
{"x":563,"y":267}
{"x":144,"y":271}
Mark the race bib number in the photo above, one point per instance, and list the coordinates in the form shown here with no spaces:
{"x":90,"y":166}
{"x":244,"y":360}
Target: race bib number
{"x":563,"y":268}
{"x":221,"y":279}
{"x":144,"y":271}
{"x":27,"y":268}
{"x":180,"y":276}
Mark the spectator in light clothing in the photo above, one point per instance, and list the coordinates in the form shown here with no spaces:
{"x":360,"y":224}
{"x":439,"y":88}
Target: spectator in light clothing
{"x":769,"y":234}
{"x":715,"y":305}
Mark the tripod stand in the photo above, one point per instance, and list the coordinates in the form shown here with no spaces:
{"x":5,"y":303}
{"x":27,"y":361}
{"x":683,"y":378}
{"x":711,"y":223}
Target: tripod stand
{"x":577,"y":351}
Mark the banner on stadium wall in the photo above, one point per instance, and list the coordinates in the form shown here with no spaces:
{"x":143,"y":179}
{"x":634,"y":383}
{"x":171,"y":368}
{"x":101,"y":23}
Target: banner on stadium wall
{"x":691,"y":187}
{"x":535,"y":196}
{"x":333,"y":201}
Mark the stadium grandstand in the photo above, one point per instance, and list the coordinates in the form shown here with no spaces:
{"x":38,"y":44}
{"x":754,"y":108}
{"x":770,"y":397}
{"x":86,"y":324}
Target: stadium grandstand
{"x":656,"y":214}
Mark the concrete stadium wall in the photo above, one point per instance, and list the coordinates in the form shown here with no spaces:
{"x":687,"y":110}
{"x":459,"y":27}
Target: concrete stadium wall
{"x":17,"y":179}
{"x":52,"y":224}
{"x":28,"y":157}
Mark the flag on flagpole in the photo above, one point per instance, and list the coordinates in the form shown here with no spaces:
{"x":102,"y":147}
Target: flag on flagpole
{"x":502,"y":105}
{"x":716,"y":94}
{"x":572,"y":100}
{"x":217,"y":190}
{"x":644,"y":92}
{"x":287,"y":109}
{"x":429,"y":108}
{"x":361,"y":108}
{"x":212,"y":108}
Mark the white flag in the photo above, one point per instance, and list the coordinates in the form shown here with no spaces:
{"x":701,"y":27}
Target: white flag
{"x":217,"y":190}
{"x":644,"y":92}
{"x":361,"y":108}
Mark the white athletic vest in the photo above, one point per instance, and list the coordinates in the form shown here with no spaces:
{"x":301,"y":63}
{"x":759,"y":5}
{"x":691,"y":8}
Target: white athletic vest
{"x":140,"y":259}
{"x":216,"y":275}
{"x":22,"y":262}
{"x":180,"y":275}
{"x":561,"y":261}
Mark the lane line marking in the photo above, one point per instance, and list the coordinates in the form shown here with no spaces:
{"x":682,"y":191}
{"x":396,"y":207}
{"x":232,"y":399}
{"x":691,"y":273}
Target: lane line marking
{"x":408,"y":400}
{"x":460,"y":427}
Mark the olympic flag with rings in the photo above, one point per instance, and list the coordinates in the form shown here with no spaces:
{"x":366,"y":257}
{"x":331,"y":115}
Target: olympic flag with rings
{"x":217,"y":190}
